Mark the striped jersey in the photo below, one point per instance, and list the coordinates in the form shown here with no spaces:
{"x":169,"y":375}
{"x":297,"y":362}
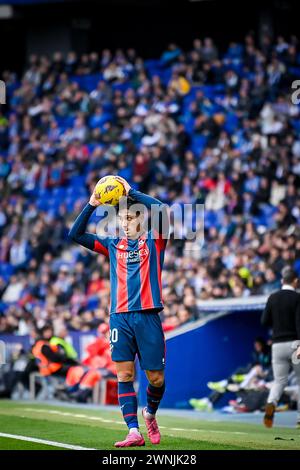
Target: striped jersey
{"x":135,"y":271}
{"x":135,"y":265}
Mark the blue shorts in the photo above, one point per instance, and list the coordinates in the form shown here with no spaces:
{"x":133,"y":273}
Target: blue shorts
{"x":138,"y":333}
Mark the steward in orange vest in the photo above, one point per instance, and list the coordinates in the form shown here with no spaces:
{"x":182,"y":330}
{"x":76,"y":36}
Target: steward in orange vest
{"x":41,"y":352}
{"x":50,"y":358}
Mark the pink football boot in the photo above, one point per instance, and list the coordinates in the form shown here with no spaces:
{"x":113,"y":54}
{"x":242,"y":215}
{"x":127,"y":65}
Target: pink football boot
{"x":152,"y":428}
{"x":133,"y":439}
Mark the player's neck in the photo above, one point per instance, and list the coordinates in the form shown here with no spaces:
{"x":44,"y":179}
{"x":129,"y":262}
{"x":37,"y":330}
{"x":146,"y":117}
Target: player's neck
{"x":137,"y":236}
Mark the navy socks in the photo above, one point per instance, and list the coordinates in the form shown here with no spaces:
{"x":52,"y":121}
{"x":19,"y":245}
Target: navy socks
{"x":128,"y":403}
{"x":154,"y":396}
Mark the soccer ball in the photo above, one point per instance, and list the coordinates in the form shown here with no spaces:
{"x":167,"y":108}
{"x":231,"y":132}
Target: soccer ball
{"x":109,"y":190}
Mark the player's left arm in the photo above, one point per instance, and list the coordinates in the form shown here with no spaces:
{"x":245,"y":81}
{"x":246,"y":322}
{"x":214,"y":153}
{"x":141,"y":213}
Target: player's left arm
{"x":153,"y":204}
{"x":161,"y":219}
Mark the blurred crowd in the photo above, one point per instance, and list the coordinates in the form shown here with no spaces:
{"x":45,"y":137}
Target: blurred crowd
{"x":198,"y":126}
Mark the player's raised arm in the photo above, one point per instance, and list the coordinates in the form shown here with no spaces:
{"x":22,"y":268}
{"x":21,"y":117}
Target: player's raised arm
{"x":138,"y":196}
{"x":78,"y":231}
{"x":161,"y":222}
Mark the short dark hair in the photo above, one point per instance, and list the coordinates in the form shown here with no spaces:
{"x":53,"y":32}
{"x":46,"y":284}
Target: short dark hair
{"x":288,"y":274}
{"x":45,"y":328}
{"x":127,"y":203}
{"x":260,"y":340}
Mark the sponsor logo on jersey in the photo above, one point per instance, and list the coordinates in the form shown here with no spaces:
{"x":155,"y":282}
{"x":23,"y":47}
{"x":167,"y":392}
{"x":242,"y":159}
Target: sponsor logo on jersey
{"x":133,"y":256}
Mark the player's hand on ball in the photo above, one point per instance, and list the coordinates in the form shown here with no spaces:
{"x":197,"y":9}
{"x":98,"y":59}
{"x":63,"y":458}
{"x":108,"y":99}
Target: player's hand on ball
{"x":126,"y":185}
{"x":95,"y":199}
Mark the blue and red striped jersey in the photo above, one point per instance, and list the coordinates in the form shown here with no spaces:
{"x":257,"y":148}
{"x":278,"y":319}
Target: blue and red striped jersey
{"x":135,"y":265}
{"x":135,"y":272}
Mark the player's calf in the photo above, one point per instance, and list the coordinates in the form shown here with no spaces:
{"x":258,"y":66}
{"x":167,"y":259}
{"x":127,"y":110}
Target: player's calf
{"x":155,"y":392}
{"x":154,"y":397}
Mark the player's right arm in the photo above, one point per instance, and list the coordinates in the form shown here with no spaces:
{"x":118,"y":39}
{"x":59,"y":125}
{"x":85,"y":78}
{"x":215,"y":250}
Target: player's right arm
{"x":78,"y":231}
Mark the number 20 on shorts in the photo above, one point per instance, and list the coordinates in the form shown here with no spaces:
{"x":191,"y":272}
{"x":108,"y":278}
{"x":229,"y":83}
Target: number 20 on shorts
{"x":113,"y":335}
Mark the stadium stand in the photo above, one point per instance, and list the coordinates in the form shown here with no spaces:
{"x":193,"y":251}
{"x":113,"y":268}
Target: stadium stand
{"x":190,"y":127}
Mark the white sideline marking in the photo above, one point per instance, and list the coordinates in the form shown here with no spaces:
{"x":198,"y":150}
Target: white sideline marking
{"x":43,"y":441}
{"x":102,"y":420}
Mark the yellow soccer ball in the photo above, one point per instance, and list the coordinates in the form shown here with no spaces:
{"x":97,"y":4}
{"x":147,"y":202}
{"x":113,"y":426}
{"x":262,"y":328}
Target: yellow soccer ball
{"x":109,"y":190}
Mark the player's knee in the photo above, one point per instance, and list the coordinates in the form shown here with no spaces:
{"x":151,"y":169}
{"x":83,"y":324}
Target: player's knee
{"x":126,"y":376}
{"x":156,"y":379}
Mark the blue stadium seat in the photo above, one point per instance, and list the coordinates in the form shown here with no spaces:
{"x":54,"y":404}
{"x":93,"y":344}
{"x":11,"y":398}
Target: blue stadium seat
{"x":297,"y":266}
{"x":78,"y":180}
{"x":231,"y":123}
{"x":87,"y":82}
{"x":296,"y":124}
{"x":3,"y":306}
{"x":60,"y":191}
{"x":92,"y":303}
{"x":294,"y":71}
{"x":65,"y":122}
{"x":198,"y":143}
{"x":6,"y":269}
{"x":43,"y":204}
{"x":210,"y":219}
{"x":122,"y":86}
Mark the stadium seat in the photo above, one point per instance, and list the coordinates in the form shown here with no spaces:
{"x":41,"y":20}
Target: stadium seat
{"x":105,"y":392}
{"x":48,"y":386}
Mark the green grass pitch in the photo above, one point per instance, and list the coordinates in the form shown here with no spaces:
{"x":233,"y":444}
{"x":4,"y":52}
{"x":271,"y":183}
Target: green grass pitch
{"x":99,"y":429}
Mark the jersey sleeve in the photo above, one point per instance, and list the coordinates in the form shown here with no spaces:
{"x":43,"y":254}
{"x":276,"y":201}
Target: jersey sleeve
{"x":160,"y":228}
{"x":101,"y":246}
{"x":89,"y":240}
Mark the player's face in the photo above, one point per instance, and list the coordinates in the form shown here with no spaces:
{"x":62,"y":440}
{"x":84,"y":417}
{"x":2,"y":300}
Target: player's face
{"x":131,"y":223}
